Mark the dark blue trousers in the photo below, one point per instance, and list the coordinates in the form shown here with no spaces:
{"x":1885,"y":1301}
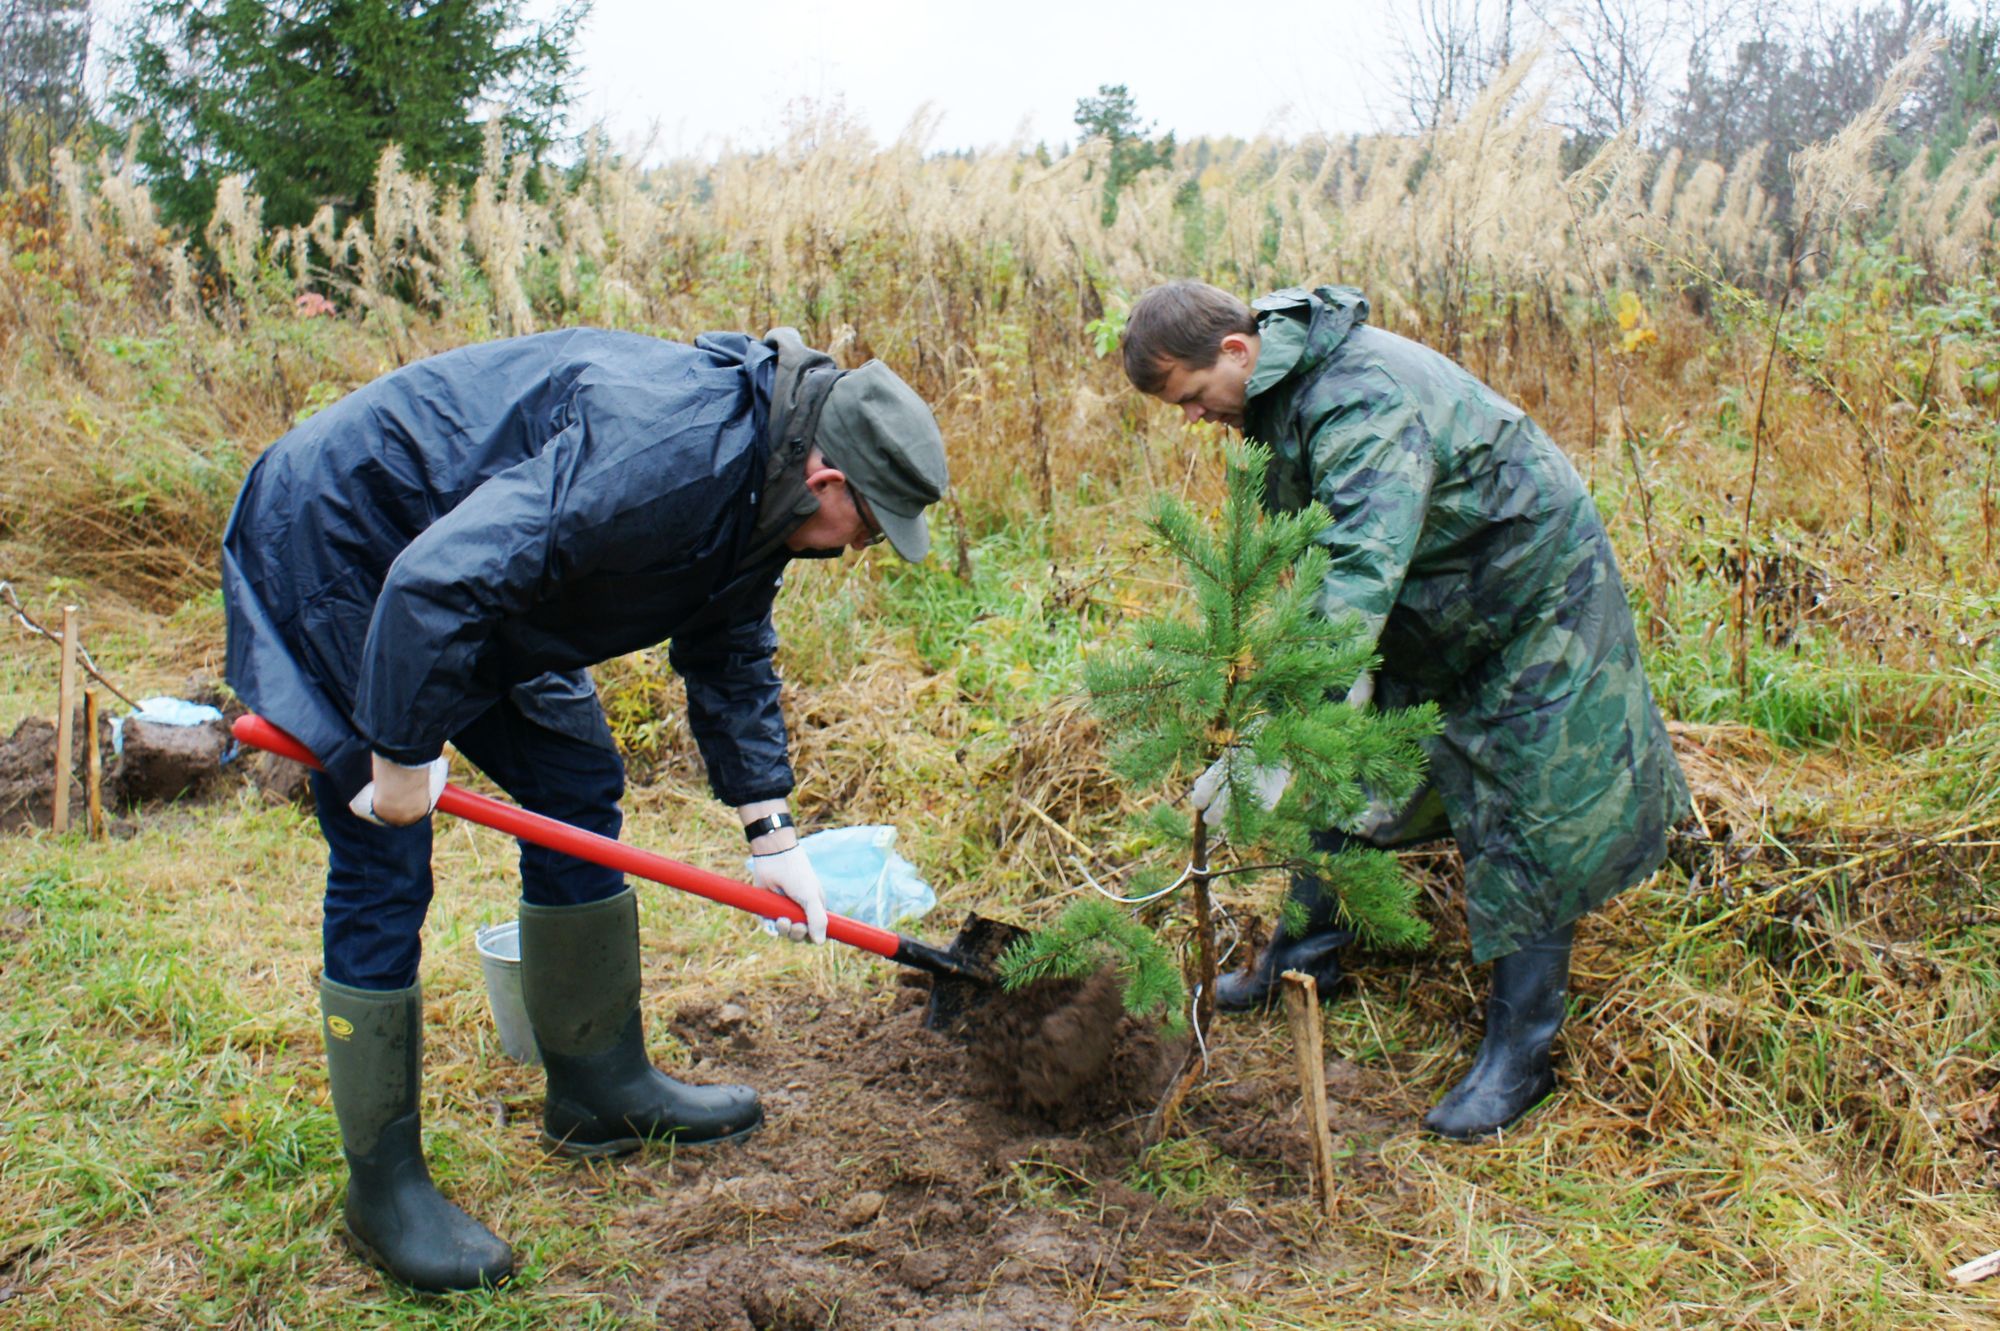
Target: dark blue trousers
{"x":378,"y":879}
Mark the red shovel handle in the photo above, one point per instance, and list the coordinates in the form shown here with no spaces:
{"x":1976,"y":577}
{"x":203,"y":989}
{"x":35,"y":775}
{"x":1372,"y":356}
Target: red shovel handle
{"x":556,"y":835}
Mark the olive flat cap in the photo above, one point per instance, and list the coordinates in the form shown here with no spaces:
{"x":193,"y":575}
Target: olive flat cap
{"x":879,"y":433}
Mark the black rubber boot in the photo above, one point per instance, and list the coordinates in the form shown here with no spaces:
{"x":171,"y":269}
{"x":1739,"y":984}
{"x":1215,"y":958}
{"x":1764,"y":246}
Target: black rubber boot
{"x":580,"y":977}
{"x":1512,"y":1073}
{"x":395,"y":1216}
{"x":1315,"y":952}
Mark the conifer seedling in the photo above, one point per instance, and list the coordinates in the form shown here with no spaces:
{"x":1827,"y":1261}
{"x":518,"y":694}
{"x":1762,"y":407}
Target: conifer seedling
{"x":1257,"y":678}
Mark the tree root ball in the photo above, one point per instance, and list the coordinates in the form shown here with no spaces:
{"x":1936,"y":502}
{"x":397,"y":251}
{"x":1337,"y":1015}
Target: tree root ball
{"x":163,"y":762}
{"x":1066,"y":1051}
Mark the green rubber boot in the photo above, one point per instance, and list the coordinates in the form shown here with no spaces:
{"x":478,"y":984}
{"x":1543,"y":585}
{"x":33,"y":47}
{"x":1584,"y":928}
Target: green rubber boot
{"x":396,"y":1218}
{"x":580,"y":980}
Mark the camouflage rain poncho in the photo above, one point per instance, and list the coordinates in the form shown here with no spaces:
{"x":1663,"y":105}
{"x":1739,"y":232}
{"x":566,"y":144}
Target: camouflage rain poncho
{"x":1468,"y":547}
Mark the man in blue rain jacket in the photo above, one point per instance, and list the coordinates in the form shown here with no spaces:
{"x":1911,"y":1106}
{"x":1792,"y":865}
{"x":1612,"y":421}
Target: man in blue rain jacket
{"x":437,"y":558}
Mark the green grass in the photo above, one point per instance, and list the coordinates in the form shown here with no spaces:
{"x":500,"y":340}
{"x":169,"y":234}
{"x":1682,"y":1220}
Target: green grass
{"x":164,"y":1089}
{"x":1002,"y":636}
{"x":1812,"y":690}
{"x":1184,"y":1171}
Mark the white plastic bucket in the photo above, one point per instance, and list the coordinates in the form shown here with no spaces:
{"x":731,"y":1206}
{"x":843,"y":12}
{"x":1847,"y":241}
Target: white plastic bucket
{"x":500,"y":960}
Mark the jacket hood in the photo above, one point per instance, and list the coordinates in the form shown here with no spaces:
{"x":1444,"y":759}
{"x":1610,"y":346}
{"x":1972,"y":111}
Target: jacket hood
{"x":1301,"y":328}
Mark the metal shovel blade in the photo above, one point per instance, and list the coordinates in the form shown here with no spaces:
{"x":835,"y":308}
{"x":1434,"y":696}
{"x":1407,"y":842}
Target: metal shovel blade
{"x":977,"y":948}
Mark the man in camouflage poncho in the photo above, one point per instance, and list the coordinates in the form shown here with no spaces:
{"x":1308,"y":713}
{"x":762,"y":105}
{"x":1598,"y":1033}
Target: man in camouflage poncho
{"x":1467,"y":547}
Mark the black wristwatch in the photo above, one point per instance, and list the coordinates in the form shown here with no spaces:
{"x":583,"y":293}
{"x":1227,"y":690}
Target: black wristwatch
{"x":770,"y":822}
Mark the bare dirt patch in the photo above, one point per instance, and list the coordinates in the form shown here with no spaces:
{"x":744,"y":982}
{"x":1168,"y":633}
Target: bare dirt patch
{"x":27,"y":770}
{"x":888,"y":1190}
{"x":159,"y":764}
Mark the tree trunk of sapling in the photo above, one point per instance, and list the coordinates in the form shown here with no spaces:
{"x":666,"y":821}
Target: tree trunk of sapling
{"x":1201,"y":979}
{"x":1204,"y":930}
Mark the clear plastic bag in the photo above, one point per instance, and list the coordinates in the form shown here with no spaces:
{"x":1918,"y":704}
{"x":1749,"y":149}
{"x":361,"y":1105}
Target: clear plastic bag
{"x":864,"y":878}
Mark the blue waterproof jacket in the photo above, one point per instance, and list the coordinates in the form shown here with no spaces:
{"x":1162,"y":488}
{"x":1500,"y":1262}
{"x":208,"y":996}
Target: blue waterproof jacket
{"x":487,"y":523}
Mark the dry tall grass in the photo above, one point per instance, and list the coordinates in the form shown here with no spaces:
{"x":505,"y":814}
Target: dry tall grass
{"x":975,"y":276}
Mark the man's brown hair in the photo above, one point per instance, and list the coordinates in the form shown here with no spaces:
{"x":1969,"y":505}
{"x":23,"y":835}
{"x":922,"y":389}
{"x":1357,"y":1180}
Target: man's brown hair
{"x":1182,"y":321}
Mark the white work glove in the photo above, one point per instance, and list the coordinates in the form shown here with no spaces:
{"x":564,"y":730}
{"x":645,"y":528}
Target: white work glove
{"x":1363,"y":691}
{"x":1210,"y":793}
{"x":401,"y":790}
{"x":790,"y":872}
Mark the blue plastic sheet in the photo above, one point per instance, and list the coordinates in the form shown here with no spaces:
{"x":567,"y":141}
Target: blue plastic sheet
{"x":864,"y":878}
{"x":166,"y":712}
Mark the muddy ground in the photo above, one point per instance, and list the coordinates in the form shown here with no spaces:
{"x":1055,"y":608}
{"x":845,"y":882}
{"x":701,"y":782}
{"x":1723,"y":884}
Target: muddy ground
{"x":159,"y":764}
{"x":888,"y":1190}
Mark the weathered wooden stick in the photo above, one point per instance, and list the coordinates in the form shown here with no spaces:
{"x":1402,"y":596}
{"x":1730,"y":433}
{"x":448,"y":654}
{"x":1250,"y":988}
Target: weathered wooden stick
{"x":1977,"y":1269}
{"x":65,"y":720}
{"x":93,"y":765}
{"x":1302,"y":1005}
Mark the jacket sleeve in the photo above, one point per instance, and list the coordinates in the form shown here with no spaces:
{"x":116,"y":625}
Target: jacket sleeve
{"x":501,"y":550}
{"x":732,"y":698}
{"x":1373,"y":467}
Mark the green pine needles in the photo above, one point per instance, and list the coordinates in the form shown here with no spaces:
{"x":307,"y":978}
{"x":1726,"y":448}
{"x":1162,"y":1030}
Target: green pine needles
{"x":1095,"y":932}
{"x":1256,"y":678}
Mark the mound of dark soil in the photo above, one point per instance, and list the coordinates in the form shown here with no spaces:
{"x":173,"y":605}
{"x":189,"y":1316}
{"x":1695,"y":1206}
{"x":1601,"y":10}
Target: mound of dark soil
{"x":160,"y":763}
{"x":887,"y":1190}
{"x":28,"y":768}
{"x":163,"y":762}
{"x":1065,"y":1051}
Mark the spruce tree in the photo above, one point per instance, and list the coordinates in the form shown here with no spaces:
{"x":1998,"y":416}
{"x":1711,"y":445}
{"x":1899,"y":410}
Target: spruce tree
{"x":304,"y":96}
{"x":1257,"y":678}
{"x":1113,"y":116}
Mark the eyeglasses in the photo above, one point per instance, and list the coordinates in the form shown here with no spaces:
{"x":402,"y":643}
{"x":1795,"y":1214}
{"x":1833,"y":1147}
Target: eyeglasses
{"x":875,"y":533}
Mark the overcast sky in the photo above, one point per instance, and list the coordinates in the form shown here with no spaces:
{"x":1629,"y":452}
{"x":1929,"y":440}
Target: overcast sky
{"x":698,"y":74}
{"x":689,"y":77}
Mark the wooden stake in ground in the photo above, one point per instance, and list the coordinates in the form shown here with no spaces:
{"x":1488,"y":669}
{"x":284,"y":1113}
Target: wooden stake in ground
{"x":1977,"y":1269}
{"x":65,"y":720}
{"x":93,"y":765}
{"x":1302,"y":1005}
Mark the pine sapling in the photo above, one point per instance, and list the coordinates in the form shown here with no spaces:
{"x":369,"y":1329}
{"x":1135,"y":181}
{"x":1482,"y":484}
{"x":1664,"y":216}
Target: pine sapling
{"x":1253,"y":684}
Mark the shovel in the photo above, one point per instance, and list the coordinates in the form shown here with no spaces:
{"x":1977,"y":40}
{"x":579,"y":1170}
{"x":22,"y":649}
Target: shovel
{"x":961,"y":975}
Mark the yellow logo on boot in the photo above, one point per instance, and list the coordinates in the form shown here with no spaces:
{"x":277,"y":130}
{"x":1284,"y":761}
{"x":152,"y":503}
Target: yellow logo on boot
{"x":341,"y":1027}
